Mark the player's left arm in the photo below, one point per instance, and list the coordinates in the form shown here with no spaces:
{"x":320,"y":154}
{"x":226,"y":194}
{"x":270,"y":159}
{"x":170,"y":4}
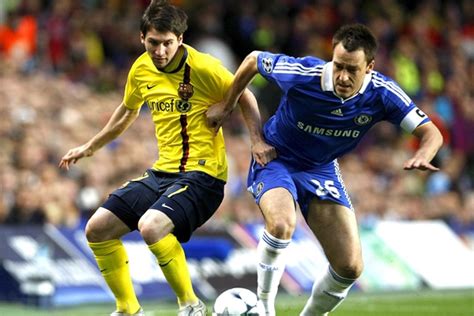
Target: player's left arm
{"x":218,"y":112}
{"x":431,"y":141}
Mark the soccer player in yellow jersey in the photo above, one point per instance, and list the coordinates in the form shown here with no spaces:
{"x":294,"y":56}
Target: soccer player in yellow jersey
{"x":185,"y":186}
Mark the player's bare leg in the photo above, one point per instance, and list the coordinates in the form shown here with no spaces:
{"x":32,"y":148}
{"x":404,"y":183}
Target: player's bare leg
{"x":105,"y":225}
{"x":335,"y":227}
{"x":278,"y":210}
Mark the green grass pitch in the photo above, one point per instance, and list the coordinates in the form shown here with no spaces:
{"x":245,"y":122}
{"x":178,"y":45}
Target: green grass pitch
{"x":419,"y":303}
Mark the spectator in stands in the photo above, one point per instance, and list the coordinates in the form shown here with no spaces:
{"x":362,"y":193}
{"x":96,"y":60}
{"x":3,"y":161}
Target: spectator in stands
{"x":26,"y":210}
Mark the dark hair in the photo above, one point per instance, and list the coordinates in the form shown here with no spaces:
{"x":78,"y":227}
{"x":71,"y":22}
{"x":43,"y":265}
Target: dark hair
{"x":164,"y":17}
{"x":354,"y":37}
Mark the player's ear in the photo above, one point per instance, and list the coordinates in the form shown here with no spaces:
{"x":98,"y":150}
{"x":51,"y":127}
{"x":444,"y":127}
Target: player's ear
{"x":180,"y":39}
{"x":370,"y":67}
{"x":142,"y":38}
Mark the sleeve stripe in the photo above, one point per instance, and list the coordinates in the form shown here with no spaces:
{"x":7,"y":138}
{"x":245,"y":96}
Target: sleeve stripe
{"x":390,"y":86}
{"x":282,"y":64}
{"x":297,"y":69}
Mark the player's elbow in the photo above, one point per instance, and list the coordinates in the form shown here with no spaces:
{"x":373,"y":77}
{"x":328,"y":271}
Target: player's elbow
{"x":252,"y":58}
{"x":254,"y":54}
{"x":431,"y":134}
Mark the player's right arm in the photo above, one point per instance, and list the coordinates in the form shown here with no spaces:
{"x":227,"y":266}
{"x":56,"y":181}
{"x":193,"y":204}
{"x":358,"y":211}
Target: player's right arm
{"x":243,"y":76}
{"x":120,"y":120}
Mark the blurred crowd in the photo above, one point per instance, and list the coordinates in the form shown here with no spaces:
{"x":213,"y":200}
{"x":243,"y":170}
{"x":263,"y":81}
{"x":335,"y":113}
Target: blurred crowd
{"x":63,"y":66}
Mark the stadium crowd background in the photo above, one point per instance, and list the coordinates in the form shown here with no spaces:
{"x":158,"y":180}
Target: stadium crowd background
{"x":63,"y":66}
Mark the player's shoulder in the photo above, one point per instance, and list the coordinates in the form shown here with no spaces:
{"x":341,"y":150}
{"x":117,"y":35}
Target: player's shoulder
{"x":305,"y":61}
{"x":388,"y":88}
{"x":381,"y":82}
{"x":142,"y":62}
{"x":288,"y":67}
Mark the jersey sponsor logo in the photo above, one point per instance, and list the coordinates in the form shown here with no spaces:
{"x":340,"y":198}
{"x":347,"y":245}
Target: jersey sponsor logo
{"x":169,"y":106}
{"x":362,"y":119}
{"x":149,"y":86}
{"x":161,"y":106}
{"x":183,"y":106}
{"x":351,"y":133}
{"x":267,"y":64}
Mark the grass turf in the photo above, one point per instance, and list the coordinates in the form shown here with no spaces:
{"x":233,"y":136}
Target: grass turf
{"x":419,"y":303}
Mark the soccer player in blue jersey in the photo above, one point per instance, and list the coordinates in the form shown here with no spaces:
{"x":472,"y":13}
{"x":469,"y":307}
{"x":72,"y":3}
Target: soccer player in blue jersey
{"x":185,"y":186}
{"x":325,"y":110}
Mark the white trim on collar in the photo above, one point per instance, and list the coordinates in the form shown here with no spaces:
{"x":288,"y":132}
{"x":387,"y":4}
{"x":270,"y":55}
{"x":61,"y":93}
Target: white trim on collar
{"x":326,"y":79}
{"x":367,"y":79}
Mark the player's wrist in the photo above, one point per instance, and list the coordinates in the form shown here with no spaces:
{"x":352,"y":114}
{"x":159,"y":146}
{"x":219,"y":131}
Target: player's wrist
{"x":88,"y":150}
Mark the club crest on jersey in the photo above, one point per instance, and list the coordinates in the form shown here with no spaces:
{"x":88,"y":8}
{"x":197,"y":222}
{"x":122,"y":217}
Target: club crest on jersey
{"x":185,"y":90}
{"x":362,"y":119}
{"x":183,"y":106}
{"x":267,"y":64}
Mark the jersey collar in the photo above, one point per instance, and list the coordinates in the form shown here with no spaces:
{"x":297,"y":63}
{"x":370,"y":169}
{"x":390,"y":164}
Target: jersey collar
{"x":328,"y":84}
{"x":173,"y":62}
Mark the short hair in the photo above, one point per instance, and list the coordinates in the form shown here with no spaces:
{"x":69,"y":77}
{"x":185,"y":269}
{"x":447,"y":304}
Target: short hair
{"x":163,"y":17}
{"x":354,"y":37}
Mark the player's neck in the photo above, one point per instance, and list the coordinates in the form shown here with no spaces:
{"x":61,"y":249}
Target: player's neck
{"x":177,"y":62}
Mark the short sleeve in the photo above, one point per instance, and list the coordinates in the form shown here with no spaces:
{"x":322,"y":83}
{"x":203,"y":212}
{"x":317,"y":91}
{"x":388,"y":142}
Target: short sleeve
{"x":287,"y":71}
{"x":132,"y":98}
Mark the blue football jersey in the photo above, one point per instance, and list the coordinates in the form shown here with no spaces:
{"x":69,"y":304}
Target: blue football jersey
{"x":312,"y":125}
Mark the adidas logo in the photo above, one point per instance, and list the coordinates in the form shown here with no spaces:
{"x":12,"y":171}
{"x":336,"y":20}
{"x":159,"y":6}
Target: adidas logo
{"x":337,"y":112}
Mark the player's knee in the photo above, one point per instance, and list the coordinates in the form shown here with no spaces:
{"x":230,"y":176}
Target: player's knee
{"x":350,"y":270}
{"x":94,"y":232}
{"x":281,"y":228}
{"x":147,"y":230}
{"x":153,"y":227}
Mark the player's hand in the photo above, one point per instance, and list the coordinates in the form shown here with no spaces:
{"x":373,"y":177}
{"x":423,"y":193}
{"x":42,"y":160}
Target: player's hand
{"x":263,"y":153}
{"x":420,"y":164}
{"x":73,"y":155}
{"x":216,"y":114}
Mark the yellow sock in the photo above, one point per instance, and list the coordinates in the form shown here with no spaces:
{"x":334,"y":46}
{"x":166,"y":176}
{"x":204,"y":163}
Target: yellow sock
{"x":112,"y":260}
{"x":172,"y":261}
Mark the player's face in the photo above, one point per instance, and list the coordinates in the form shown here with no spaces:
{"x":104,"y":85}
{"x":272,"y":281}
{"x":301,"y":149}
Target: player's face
{"x":349,"y":70}
{"x":161,"y":47}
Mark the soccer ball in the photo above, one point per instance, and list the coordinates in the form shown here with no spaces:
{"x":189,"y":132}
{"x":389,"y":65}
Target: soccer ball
{"x":238,"y":302}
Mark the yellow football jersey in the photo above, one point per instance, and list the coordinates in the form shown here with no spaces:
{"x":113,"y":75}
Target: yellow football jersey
{"x":178,"y":101}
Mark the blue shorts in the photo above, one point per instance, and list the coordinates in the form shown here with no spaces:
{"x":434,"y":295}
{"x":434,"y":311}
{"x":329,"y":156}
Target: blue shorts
{"x":323,"y":182}
{"x":189,"y":199}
